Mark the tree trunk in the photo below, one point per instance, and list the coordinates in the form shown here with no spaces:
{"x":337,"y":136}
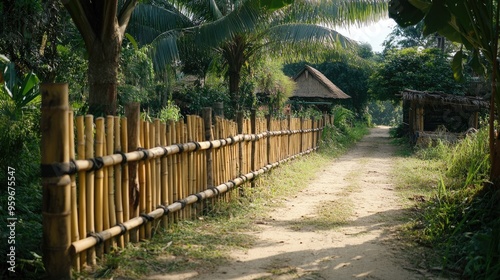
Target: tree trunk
{"x":234,"y":53}
{"x":234,"y":88}
{"x":104,"y":60}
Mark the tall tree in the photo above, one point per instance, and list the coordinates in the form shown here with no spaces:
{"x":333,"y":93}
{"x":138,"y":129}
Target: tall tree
{"x":240,"y":29}
{"x":476,"y":25}
{"x":102,"y":25}
{"x":411,"y":68}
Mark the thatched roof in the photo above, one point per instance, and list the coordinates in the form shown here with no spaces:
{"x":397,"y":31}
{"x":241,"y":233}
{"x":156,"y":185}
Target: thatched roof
{"x":441,"y":98}
{"x":312,"y":83}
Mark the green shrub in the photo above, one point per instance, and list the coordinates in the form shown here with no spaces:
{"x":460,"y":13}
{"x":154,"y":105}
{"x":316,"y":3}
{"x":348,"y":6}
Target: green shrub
{"x":460,"y":221}
{"x":171,"y":112}
{"x":20,"y":149}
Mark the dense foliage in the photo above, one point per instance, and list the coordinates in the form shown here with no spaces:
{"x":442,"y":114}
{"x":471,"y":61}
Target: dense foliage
{"x":460,"y":221}
{"x":412,"y":68}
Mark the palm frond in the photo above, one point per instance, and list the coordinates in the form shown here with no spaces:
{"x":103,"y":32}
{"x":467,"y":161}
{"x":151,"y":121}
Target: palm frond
{"x":334,"y":12}
{"x":164,"y":50}
{"x":243,"y":18}
{"x":309,"y":33}
{"x":149,"y":22}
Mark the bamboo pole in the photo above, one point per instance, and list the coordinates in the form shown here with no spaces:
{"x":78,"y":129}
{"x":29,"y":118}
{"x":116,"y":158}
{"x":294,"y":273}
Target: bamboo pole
{"x":174,"y":168}
{"x":190,"y":163}
{"x":143,"y":188}
{"x":157,"y":143}
{"x":110,"y":184}
{"x":99,"y":182}
{"x":125,"y":181}
{"x":184,"y":171}
{"x":149,"y":172}
{"x":90,"y":187}
{"x":164,"y":173}
{"x":132,"y":112}
{"x":56,"y":206}
{"x":82,"y":201}
{"x":110,"y":145}
{"x":118,"y":180}
{"x":74,"y":204}
{"x":253,"y":119}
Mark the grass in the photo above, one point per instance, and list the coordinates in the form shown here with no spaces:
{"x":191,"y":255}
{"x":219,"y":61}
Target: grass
{"x":454,"y":223}
{"x":205,"y":243}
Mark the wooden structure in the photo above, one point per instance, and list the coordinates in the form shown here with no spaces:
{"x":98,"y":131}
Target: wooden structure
{"x":128,"y":177}
{"x":427,"y":112}
{"x":312,"y":87}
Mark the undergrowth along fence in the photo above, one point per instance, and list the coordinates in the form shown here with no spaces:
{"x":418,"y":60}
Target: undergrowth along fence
{"x":110,"y":181}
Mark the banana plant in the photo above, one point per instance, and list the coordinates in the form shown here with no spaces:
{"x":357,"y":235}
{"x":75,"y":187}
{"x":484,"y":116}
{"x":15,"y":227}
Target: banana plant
{"x":16,"y":93}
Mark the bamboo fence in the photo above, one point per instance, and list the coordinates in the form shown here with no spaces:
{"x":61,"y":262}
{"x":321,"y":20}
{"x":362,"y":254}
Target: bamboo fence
{"x":129,"y":176}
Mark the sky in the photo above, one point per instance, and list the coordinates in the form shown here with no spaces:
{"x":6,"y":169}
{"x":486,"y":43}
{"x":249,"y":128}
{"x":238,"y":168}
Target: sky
{"x":373,"y":34}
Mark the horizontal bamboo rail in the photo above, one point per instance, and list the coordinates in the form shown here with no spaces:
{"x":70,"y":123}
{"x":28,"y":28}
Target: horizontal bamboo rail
{"x":97,"y":238}
{"x":97,"y":163}
{"x":129,"y":173}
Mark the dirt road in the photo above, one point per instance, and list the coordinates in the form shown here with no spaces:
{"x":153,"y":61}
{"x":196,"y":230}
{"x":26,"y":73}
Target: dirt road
{"x":294,"y":244}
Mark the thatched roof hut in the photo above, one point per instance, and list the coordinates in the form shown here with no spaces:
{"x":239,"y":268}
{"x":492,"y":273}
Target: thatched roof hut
{"x":312,"y":84}
{"x":426,"y":112}
{"x":441,"y":98}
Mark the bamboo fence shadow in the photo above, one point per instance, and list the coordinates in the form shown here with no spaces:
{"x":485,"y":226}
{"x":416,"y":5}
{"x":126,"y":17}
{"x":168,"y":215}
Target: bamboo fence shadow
{"x":128,"y":177}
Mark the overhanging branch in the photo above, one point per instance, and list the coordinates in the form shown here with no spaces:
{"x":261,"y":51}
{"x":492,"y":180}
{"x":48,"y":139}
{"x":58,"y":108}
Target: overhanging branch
{"x":80,"y":18}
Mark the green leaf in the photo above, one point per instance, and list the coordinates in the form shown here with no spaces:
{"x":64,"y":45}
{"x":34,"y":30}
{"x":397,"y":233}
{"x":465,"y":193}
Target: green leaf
{"x":4,"y":59}
{"x":132,"y":40}
{"x":450,"y":33}
{"x":457,"y":66}
{"x":437,"y":17}
{"x":476,"y":64}
{"x":404,"y":13}
{"x":29,"y":82}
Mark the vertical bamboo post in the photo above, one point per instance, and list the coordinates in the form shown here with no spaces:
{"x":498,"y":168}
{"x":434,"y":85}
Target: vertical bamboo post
{"x":239,"y":123}
{"x":253,"y":128}
{"x":99,"y":182}
{"x":289,"y":136}
{"x":74,"y":206}
{"x":110,"y":146}
{"x":207,"y":119}
{"x":90,"y":176}
{"x":82,"y":201}
{"x":301,"y":145}
{"x":56,"y":206}
{"x":190,"y":165}
{"x":157,"y":165}
{"x":125,"y":180}
{"x":132,"y":111}
{"x":268,"y":119}
{"x":118,"y":180}
{"x":144,"y":182}
{"x":164,"y":173}
{"x":173,"y":178}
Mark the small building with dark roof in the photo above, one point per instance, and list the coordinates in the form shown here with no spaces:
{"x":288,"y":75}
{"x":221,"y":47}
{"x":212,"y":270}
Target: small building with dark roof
{"x":435,"y":114}
{"x":312,"y":87}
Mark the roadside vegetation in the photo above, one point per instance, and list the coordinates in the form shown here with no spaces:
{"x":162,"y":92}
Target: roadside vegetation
{"x":203,"y":244}
{"x":454,"y":211}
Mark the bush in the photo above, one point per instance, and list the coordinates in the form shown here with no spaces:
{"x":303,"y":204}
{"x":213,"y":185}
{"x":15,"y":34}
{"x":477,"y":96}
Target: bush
{"x":460,"y":222}
{"x":20,"y":149}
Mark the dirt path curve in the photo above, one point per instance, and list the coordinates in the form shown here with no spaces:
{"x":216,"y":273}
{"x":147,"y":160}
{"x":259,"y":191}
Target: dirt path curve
{"x":291,"y":246}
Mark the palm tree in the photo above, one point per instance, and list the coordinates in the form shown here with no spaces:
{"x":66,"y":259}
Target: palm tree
{"x":102,"y":25}
{"x":237,"y":30}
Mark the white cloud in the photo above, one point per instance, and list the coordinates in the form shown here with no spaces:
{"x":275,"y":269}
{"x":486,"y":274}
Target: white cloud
{"x":373,"y":34}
